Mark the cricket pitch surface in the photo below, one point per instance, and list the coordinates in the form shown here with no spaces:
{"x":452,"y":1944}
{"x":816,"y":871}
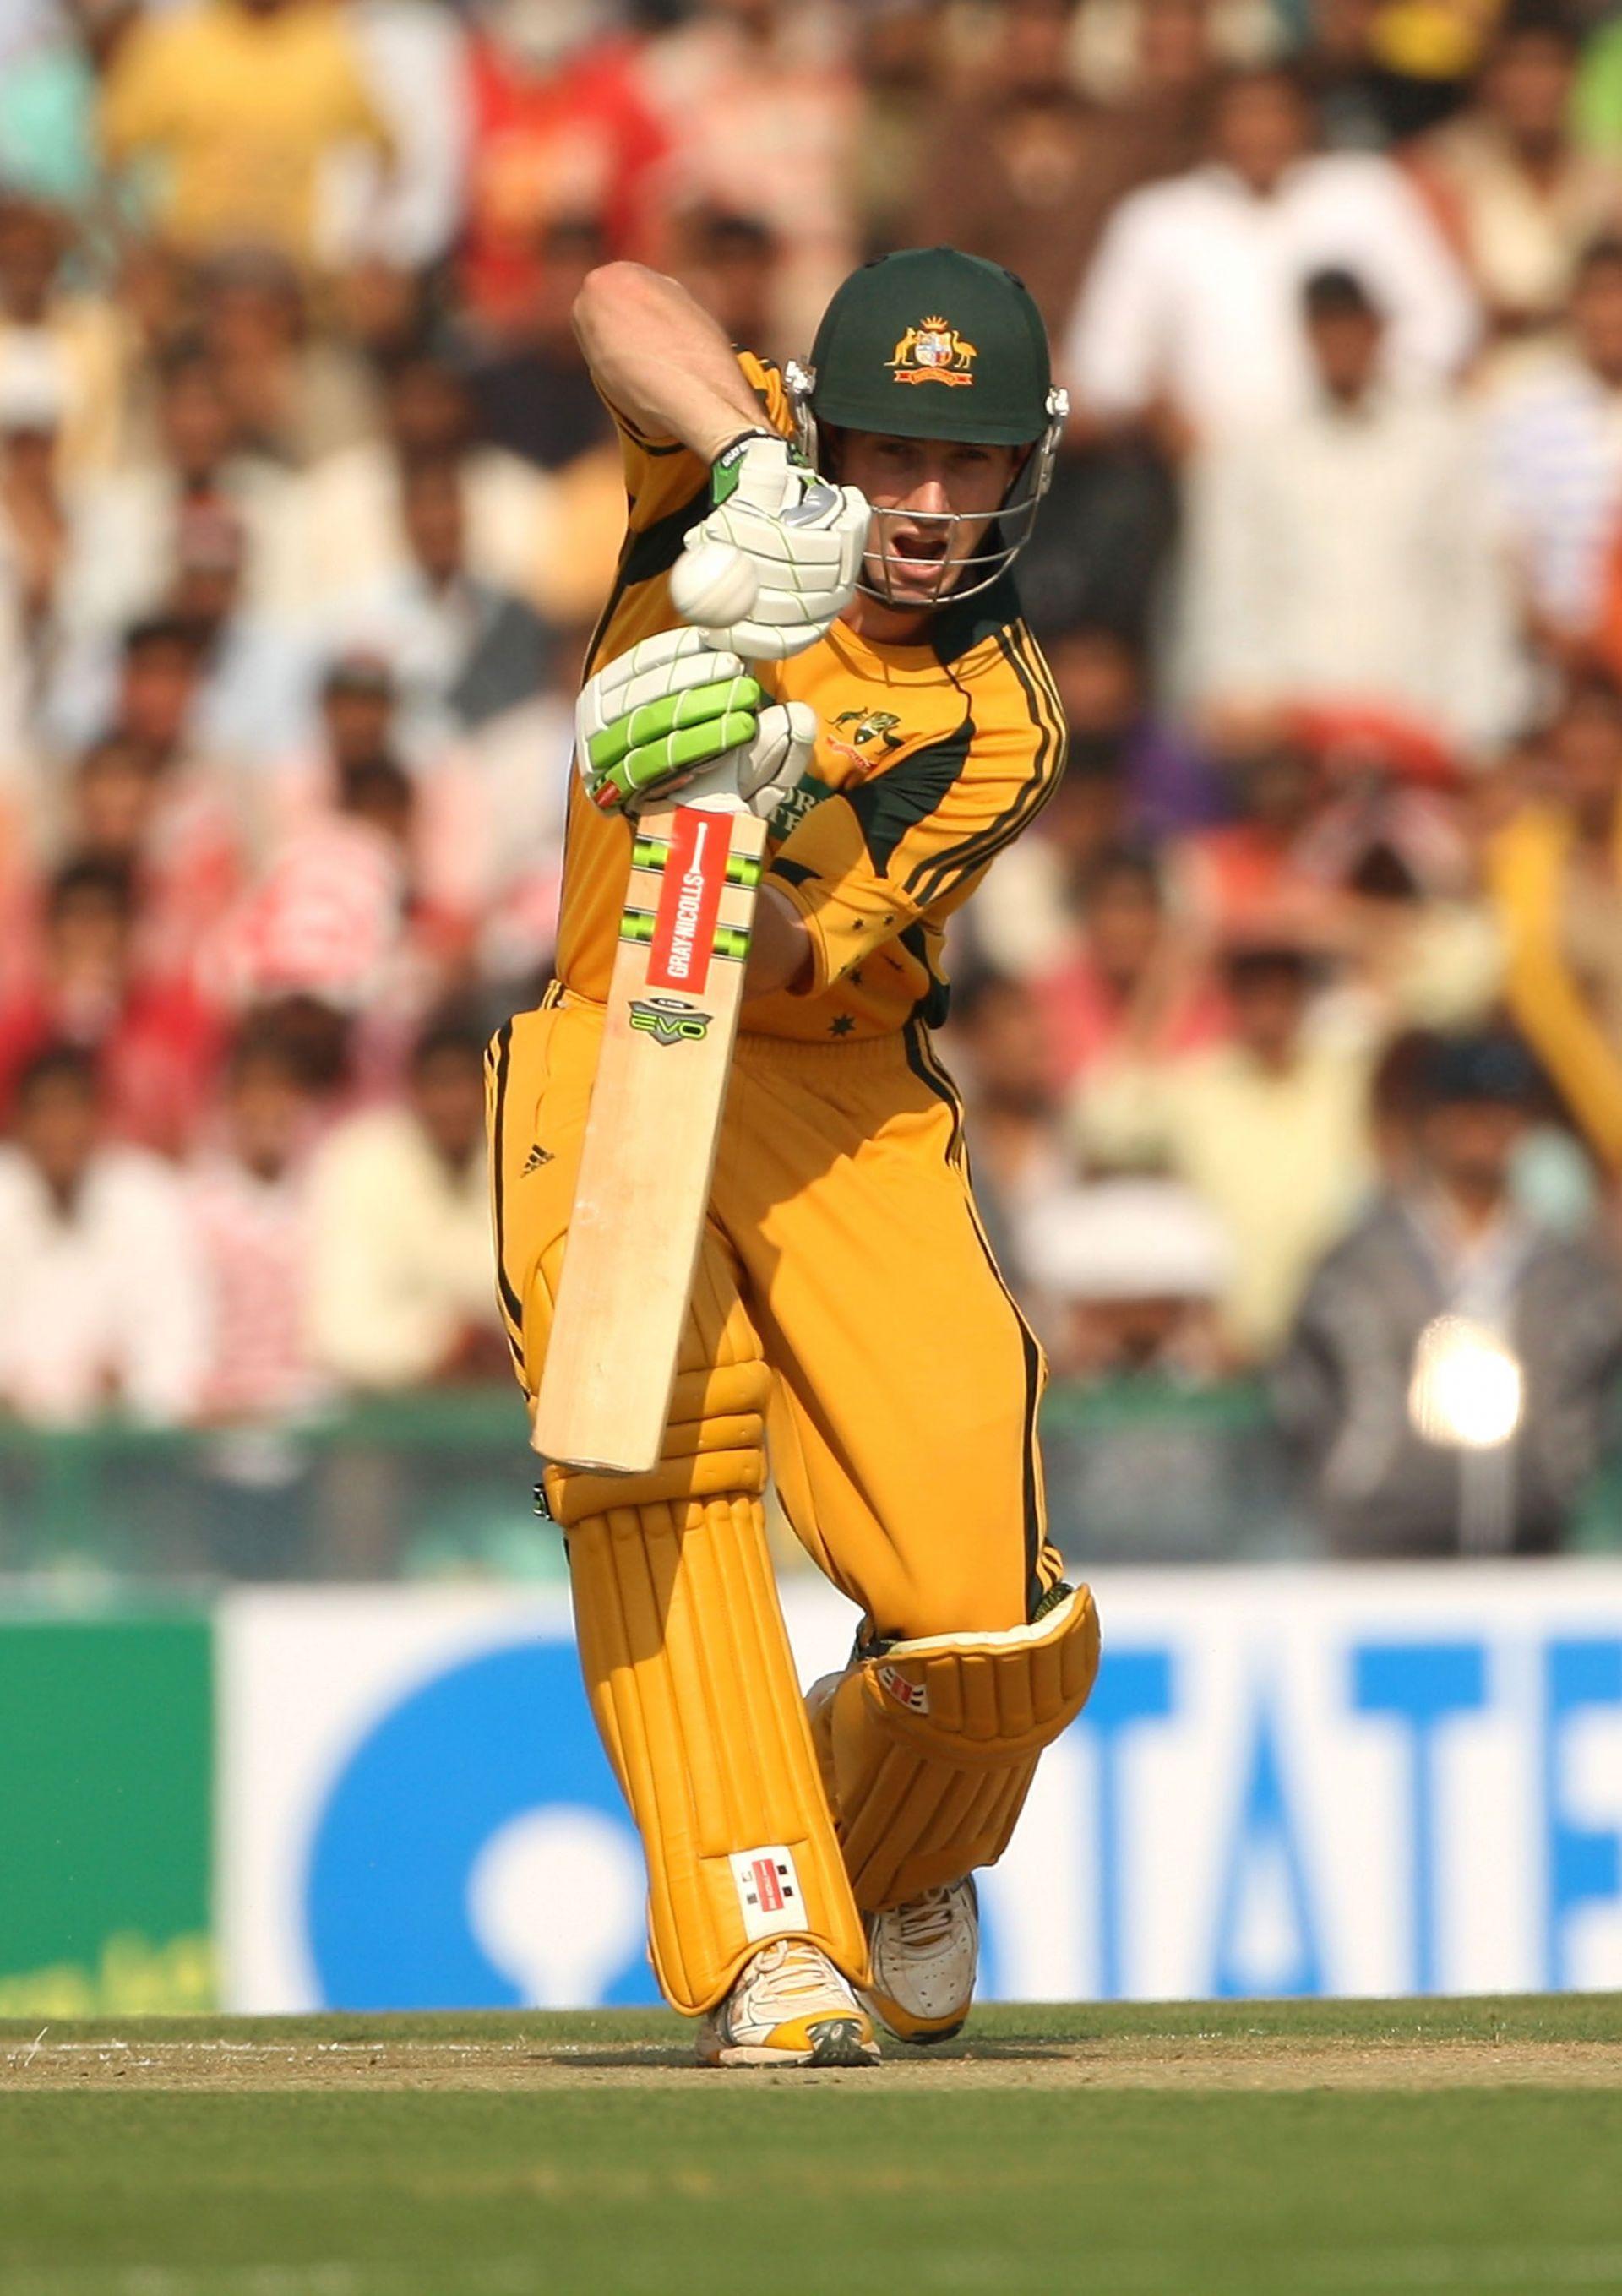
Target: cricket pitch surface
{"x":1466,"y":2146}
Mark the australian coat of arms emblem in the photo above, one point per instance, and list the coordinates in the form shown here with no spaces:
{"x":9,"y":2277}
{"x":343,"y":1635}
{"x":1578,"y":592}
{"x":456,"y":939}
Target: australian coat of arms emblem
{"x":934,"y":352}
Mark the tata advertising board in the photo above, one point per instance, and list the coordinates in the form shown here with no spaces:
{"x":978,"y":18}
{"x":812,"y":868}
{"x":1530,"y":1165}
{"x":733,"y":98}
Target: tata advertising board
{"x":1287,"y":1782}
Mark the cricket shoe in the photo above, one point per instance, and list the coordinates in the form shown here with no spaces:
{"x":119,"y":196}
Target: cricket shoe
{"x":925,"y":1955}
{"x":788,"y":2006}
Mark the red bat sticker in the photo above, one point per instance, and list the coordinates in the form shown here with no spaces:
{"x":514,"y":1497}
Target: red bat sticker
{"x":689,"y":901}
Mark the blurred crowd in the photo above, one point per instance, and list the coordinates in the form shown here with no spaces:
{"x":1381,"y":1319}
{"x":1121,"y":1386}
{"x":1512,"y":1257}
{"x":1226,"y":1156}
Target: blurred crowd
{"x":1292,"y":1034}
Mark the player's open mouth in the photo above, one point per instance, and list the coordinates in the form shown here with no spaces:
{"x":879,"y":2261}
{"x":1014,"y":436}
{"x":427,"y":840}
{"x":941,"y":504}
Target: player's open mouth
{"x":916,"y":557}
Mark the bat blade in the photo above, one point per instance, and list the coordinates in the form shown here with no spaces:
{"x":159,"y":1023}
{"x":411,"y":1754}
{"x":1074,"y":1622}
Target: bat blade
{"x":651,"y":1136}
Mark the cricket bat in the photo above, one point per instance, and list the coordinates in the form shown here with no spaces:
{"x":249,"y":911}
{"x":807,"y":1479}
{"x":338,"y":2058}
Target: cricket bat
{"x":661,"y":1086}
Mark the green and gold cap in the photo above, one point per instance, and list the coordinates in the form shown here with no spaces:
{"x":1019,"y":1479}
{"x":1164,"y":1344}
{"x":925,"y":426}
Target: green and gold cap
{"x":932,"y":343}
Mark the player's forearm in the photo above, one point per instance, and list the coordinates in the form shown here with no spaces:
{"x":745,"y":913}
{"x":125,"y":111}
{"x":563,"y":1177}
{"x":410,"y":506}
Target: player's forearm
{"x":780,"y":956}
{"x":661,"y":360}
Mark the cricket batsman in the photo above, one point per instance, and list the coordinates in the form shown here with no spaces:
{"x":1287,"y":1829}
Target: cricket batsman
{"x":811,"y":1861}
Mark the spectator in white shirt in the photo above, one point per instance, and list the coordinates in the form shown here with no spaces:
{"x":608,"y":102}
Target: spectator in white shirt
{"x":126,"y":522}
{"x":403,"y":1277}
{"x":351,"y":504}
{"x":1189,"y":311}
{"x":404,"y":213}
{"x":1554,"y":436}
{"x":1130,"y":1268}
{"x":1347,"y":555}
{"x":102,"y":1304}
{"x":250,"y":1206}
{"x":465,"y":652}
{"x":252,"y":698}
{"x":1517,"y":193}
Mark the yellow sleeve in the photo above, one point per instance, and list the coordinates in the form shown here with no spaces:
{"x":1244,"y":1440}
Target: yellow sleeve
{"x":1547,"y":1003}
{"x":140,"y":106}
{"x":662,"y":476}
{"x":913,"y":840}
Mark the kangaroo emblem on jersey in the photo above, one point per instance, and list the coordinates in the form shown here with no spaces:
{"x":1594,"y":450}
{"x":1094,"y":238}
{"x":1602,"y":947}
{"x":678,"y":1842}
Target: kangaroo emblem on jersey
{"x":876,"y":725}
{"x":934,"y":352}
{"x":871,"y":726}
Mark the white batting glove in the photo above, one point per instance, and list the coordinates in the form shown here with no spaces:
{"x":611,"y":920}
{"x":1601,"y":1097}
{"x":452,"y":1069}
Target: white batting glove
{"x":804,"y":539}
{"x":674,"y":707}
{"x":776,"y":759}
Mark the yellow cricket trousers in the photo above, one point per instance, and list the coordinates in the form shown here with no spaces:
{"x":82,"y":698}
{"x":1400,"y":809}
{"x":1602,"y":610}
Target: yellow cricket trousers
{"x":905,"y":1382}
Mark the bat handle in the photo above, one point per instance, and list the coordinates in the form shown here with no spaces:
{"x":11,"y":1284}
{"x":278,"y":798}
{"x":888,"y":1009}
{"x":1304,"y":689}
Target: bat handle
{"x":716,"y":789}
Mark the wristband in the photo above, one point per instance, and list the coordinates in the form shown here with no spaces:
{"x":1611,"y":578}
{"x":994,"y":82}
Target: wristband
{"x":724,"y":471}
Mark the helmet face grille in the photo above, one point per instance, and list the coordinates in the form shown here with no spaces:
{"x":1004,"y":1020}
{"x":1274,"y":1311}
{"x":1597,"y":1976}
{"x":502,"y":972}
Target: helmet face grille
{"x":962,"y":573}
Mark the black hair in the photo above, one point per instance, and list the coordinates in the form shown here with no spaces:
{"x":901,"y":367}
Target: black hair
{"x":316,"y":1035}
{"x":105,"y":747}
{"x":443,"y":464}
{"x":160,"y":630}
{"x":1336,"y":292}
{"x":1137,"y":864}
{"x":1603,"y":253}
{"x":1592,"y":687}
{"x":1383,"y":874}
{"x":261,"y":269}
{"x":979,"y":989}
{"x":107,"y":880}
{"x":57,"y":1063}
{"x":260,"y":1044}
{"x":449,"y":1036}
{"x":419,"y":357}
{"x":714,"y":229}
{"x":1591,"y":692}
{"x":1488,"y":1067}
{"x":1247,"y":965}
{"x":185,"y":355}
{"x":1536,"y":20}
{"x":356,"y":672}
{"x":1096,"y":632}
{"x":1277,"y":72}
{"x":375,"y":782}
{"x":577,"y":231}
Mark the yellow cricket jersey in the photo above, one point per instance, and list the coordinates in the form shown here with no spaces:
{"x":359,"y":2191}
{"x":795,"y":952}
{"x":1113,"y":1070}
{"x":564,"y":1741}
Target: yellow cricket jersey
{"x":239,"y":109}
{"x":929,"y":759}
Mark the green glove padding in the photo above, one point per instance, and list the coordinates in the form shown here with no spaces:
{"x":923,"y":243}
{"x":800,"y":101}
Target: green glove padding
{"x":670,"y":738}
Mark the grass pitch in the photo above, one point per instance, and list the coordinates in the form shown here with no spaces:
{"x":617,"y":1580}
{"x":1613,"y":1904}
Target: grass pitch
{"x":1245,"y":2148}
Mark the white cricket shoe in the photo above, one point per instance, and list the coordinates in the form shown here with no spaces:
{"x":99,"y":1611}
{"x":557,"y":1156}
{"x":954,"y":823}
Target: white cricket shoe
{"x":789,"y":2006}
{"x":925,"y":1953}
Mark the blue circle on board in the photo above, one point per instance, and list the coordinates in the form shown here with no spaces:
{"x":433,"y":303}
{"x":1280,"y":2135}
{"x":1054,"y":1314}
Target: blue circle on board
{"x":439,"y":1775}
